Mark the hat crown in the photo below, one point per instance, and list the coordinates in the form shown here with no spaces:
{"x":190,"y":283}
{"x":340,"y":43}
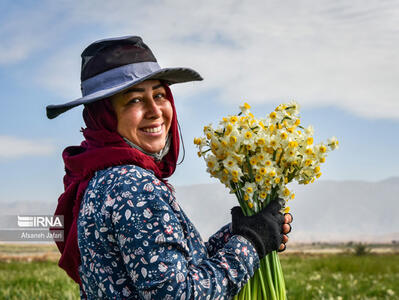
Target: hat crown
{"x":108,"y":54}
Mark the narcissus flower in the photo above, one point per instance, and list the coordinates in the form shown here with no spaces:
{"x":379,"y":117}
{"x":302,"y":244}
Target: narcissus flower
{"x":261,"y":156}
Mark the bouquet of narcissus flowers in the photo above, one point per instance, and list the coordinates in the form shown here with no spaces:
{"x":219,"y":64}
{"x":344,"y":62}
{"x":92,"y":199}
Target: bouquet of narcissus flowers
{"x":256,"y":159}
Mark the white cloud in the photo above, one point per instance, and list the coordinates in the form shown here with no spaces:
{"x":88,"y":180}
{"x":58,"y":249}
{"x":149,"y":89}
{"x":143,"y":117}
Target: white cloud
{"x":321,"y":53}
{"x":13,"y":147}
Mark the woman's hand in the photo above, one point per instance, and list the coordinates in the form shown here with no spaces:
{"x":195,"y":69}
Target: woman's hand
{"x":286,"y":229}
{"x":266,"y":230}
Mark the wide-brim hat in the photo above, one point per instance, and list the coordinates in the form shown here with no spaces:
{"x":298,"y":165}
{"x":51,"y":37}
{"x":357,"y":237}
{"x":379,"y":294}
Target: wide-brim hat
{"x":110,"y":66}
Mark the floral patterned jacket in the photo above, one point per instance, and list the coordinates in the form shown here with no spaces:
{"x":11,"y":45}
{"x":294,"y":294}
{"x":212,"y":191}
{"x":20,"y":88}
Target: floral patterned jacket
{"x":137,"y":243}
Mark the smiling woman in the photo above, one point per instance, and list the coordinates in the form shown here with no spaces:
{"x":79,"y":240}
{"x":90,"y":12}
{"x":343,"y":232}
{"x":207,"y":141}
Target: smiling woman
{"x":126,"y":236}
{"x":144,"y":115}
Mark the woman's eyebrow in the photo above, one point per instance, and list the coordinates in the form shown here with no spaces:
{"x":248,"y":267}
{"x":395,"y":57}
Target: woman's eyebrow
{"x":156,"y":86}
{"x":133,"y":89}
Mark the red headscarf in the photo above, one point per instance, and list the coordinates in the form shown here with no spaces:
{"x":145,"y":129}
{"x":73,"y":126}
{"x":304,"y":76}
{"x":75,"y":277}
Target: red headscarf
{"x":103,"y":147}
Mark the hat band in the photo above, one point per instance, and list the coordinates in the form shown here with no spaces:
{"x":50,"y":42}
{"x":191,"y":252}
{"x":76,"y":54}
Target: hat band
{"x":118,"y":76}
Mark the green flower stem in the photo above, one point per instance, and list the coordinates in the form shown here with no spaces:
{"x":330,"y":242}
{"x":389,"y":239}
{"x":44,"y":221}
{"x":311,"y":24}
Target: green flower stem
{"x":269,"y":279}
{"x":281,"y":277}
{"x":262,"y":282}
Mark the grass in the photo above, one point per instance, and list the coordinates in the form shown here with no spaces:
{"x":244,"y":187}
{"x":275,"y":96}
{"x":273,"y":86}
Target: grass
{"x":35,"y":280}
{"x":342,"y":276}
{"x":35,"y":275}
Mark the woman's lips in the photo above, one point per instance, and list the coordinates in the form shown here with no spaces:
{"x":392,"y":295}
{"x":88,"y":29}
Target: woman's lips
{"x":152,"y":130}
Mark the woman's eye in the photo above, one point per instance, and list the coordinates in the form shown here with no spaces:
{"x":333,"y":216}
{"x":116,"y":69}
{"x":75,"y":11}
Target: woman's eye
{"x":134,"y":100}
{"x":159,"y":96}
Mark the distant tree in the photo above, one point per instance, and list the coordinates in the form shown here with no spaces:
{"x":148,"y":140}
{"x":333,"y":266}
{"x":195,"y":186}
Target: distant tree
{"x":361,"y":249}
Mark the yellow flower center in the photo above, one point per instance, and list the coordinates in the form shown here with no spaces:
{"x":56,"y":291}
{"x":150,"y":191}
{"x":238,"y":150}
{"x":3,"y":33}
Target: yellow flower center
{"x":261,"y":141}
{"x":233,"y":119}
{"x":262,"y":171}
{"x":248,"y":135}
{"x":273,"y":115}
{"x":309,"y":141}
{"x":309,"y":151}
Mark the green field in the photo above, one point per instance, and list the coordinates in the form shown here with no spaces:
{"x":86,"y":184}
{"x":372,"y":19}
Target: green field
{"x":27,"y":275}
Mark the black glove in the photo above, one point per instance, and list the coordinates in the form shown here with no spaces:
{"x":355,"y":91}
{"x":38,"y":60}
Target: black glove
{"x":263,"y":230}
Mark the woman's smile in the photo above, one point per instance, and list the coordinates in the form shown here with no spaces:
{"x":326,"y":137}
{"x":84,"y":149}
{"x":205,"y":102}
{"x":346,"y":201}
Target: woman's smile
{"x":155,"y":129}
{"x":144,"y":115}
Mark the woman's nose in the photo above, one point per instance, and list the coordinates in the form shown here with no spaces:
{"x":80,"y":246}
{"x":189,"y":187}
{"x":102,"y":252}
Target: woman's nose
{"x":153,"y":110}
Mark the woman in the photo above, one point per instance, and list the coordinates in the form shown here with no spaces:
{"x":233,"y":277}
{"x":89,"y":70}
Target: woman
{"x":125,"y":235}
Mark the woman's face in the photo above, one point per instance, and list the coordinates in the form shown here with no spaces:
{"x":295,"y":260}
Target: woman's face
{"x":144,"y":115}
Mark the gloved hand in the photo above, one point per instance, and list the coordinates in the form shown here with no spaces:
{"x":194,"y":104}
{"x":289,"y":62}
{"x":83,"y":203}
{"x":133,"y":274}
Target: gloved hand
{"x":264,"y":229}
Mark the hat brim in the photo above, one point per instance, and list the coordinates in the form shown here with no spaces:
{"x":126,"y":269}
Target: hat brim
{"x":170,"y":75}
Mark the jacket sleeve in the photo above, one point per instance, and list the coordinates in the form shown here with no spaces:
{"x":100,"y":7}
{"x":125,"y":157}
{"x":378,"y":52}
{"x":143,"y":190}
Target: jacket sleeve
{"x":218,"y":239}
{"x":157,"y":257}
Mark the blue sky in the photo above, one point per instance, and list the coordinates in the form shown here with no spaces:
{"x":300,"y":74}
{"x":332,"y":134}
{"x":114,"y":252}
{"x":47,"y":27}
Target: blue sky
{"x":337,"y":59}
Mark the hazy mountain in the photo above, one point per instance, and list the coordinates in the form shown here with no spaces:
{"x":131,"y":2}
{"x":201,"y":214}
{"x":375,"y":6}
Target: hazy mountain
{"x":323,"y":211}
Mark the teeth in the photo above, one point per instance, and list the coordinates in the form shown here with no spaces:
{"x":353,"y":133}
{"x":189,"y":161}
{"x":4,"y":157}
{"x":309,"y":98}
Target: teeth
{"x":153,"y":130}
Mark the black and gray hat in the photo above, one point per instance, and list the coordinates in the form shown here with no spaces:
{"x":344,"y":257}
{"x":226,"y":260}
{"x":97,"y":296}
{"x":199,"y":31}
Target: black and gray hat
{"x":112,"y":65}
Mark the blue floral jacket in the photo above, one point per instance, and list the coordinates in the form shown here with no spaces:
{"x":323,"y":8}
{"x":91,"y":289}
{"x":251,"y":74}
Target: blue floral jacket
{"x":137,"y":243}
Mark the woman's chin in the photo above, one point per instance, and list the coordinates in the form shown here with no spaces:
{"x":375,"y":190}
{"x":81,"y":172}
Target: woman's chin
{"x":153,"y":147}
